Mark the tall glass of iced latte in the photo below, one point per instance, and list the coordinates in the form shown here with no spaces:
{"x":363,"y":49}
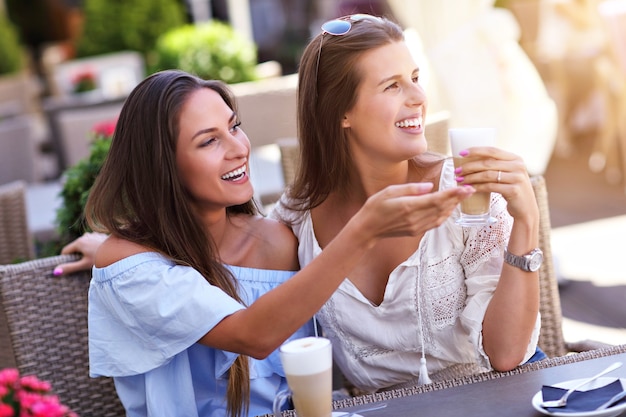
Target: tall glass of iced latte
{"x":308,"y":367}
{"x":475,"y":209}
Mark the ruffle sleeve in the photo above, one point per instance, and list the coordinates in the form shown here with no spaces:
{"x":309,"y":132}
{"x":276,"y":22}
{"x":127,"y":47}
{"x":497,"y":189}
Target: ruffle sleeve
{"x":144,"y":310}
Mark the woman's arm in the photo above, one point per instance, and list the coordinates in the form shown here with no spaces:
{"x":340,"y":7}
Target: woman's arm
{"x":396,"y":211}
{"x":512,"y":312}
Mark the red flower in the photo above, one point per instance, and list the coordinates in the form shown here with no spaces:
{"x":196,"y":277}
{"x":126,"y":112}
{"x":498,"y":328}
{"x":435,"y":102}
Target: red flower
{"x":84,"y":79}
{"x":105,"y":128}
{"x":6,"y":410}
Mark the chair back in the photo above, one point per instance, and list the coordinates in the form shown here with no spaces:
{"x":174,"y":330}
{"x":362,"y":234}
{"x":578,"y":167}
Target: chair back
{"x":76,"y":125}
{"x":267,"y":108}
{"x":436,"y":132}
{"x":16,"y":241}
{"x":551,"y":339}
{"x":289,"y":158}
{"x":18,"y":150}
{"x":47,"y":333}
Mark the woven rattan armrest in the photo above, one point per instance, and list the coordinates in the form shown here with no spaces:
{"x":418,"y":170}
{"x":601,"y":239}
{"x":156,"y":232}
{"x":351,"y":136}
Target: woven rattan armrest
{"x":47,"y":331}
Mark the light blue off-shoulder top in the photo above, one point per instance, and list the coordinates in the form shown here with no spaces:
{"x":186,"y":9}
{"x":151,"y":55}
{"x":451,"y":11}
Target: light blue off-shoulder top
{"x":146,"y":315}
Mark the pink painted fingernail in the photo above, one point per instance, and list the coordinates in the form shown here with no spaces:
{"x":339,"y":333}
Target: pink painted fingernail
{"x":458,"y":170}
{"x":464,"y":152}
{"x":459,"y":179}
{"x":57,"y":271}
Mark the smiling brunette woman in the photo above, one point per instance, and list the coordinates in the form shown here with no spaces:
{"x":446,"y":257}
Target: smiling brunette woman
{"x":448,"y":296}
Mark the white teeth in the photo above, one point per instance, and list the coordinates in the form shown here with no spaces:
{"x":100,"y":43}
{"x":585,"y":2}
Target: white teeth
{"x":417,"y":122}
{"x":233,"y":174}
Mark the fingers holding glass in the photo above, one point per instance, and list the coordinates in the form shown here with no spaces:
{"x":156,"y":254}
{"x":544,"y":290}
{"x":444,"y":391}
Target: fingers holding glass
{"x":475,"y":209}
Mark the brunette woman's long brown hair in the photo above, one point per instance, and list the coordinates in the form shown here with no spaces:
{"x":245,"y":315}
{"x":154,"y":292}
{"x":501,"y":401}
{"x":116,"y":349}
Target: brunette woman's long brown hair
{"x":328,"y":80}
{"x":138,"y":194}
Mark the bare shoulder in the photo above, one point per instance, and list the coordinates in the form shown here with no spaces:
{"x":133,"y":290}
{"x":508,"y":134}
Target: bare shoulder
{"x":276,"y":242}
{"x":114,"y":249}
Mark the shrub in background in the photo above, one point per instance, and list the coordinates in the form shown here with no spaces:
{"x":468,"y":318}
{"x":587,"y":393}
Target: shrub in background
{"x":11,"y":52}
{"x":210,"y":50}
{"x":119,"y":25}
{"x":78,"y":181}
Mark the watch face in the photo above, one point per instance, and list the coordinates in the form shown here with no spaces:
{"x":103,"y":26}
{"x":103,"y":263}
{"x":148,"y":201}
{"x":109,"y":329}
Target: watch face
{"x":535,"y":261}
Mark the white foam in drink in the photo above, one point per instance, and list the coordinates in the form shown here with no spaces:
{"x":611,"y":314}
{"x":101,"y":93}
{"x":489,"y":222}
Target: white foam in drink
{"x":308,"y":367}
{"x":463,"y":138}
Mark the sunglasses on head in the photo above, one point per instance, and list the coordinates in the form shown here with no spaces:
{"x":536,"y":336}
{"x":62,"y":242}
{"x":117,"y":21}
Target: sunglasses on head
{"x":338,"y":27}
{"x":342,"y":25}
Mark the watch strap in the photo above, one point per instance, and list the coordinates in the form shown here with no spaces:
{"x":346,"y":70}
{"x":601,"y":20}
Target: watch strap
{"x":529,"y":262}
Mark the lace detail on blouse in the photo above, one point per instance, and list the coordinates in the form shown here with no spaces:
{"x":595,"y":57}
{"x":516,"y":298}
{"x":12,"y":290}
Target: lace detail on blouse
{"x":484,"y":243}
{"x":444,"y":290}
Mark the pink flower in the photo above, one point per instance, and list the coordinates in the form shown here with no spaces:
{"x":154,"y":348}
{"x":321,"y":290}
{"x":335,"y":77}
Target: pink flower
{"x":28,"y":397}
{"x":105,"y":128}
{"x":32,"y":383}
{"x":9,"y":376}
{"x":6,"y":410}
{"x":47,"y":408}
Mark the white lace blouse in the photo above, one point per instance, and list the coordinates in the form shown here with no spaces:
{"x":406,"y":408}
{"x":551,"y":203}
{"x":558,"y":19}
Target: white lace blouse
{"x":434,"y":301}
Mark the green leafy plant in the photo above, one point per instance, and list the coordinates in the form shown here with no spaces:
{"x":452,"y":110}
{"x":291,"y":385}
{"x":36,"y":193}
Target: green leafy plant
{"x":78,"y":181}
{"x":118,"y":25}
{"x":11,"y":55}
{"x":211,"y":50}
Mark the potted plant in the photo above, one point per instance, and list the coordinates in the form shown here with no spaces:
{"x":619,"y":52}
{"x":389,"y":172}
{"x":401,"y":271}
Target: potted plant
{"x":210,"y":50}
{"x":77,"y":182}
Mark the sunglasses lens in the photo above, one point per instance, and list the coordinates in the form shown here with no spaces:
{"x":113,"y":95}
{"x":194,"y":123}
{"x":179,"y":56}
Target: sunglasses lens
{"x":337,"y":27}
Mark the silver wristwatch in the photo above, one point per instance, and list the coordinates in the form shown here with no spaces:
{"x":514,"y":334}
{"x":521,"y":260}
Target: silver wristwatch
{"x":529,"y":262}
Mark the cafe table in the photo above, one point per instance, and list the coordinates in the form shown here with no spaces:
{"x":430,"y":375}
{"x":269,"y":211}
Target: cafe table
{"x":487,"y":394}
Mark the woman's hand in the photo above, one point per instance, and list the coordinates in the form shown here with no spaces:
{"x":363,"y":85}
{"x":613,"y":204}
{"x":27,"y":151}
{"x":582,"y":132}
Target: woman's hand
{"x":501,"y":172}
{"x":410,"y":209}
{"x":512,"y":312}
{"x":86,"y":245}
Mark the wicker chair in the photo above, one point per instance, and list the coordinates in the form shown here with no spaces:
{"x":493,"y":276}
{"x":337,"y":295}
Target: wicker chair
{"x":551,"y":338}
{"x":16,"y":241}
{"x":47,"y":334}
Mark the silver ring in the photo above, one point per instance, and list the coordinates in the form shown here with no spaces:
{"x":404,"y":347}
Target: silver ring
{"x":499,"y":175}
